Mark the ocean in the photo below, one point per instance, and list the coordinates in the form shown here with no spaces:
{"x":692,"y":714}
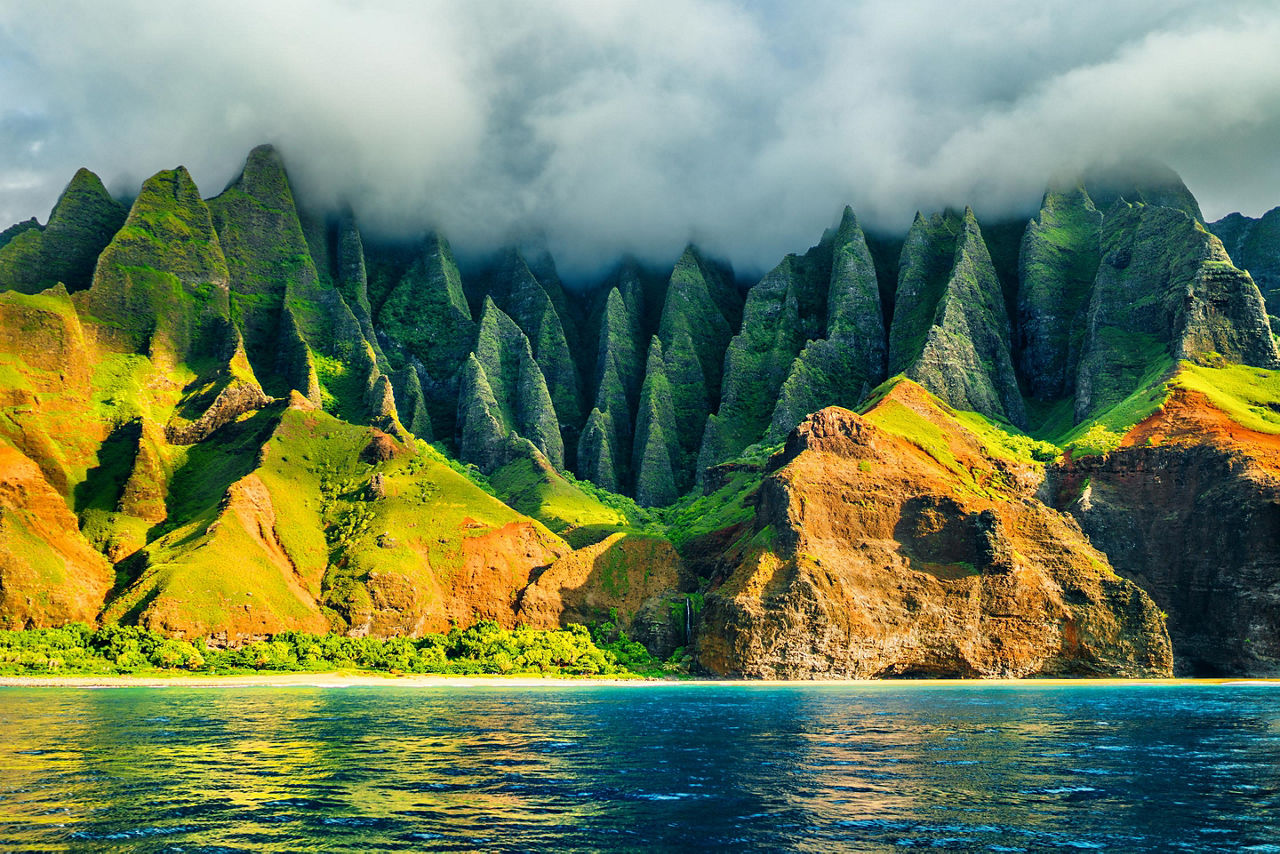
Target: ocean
{"x":680,"y":767}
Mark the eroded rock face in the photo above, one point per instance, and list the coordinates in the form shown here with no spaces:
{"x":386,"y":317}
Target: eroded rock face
{"x":1194,"y":518}
{"x":871,"y":557}
{"x":629,"y":579}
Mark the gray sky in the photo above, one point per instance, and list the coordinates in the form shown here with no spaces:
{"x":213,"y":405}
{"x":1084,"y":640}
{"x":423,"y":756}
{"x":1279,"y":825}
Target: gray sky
{"x":616,"y":127}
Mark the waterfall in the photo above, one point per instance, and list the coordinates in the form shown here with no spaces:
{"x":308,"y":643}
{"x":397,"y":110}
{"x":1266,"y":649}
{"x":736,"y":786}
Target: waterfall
{"x":688,"y":621}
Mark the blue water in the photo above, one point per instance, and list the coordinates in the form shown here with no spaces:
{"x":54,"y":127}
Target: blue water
{"x":680,"y":767}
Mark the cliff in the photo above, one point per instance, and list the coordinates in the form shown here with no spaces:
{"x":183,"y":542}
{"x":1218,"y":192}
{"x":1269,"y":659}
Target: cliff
{"x":900,"y":544}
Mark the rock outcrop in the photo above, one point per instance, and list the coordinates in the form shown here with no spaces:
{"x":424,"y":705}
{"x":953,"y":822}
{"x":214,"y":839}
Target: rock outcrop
{"x":1254,"y":246}
{"x":1189,"y":508}
{"x":876,"y":554}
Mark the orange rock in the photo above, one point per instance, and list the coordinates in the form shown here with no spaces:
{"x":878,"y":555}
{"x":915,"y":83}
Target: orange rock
{"x":871,"y":557}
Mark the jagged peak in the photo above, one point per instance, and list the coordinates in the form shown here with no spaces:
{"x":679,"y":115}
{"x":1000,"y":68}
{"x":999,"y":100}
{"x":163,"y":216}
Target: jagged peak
{"x":1065,"y":195}
{"x":83,"y":181}
{"x":655,"y":360}
{"x":970,"y":234}
{"x":264,"y":176}
{"x":848,"y":222}
{"x":176,"y":184}
{"x":690,"y":255}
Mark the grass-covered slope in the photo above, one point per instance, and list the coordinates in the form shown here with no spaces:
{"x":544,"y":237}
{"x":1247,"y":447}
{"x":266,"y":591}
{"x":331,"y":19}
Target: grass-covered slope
{"x":300,"y":521}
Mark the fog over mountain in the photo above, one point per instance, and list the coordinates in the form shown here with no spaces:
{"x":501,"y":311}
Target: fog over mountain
{"x":608,"y":128}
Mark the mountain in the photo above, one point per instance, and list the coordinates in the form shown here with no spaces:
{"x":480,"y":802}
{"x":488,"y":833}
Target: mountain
{"x":974,"y":449}
{"x":945,"y":566}
{"x":1254,"y":246}
{"x":81,"y":225}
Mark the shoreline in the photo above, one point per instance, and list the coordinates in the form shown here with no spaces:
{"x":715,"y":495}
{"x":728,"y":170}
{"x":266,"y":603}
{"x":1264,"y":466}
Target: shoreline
{"x":342,"y":679}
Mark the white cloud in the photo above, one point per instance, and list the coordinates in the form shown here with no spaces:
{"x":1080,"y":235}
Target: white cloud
{"x":626,"y":126}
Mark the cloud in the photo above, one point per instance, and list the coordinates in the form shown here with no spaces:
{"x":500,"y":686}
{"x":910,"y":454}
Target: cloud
{"x":634,"y":127}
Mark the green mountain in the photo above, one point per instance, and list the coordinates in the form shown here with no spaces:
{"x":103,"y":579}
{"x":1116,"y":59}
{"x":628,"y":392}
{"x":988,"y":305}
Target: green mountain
{"x":502,"y":391}
{"x":428,"y":327}
{"x":81,"y":225}
{"x":969,"y":450}
{"x":1058,"y":264}
{"x":1254,"y":246}
{"x":951,"y":330}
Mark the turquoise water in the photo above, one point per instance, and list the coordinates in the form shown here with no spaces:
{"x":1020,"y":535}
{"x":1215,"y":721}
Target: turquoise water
{"x":866,"y":767}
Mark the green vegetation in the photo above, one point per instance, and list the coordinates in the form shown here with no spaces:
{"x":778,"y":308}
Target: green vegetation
{"x":696,"y":514}
{"x":632,"y":657}
{"x":484,"y":648}
{"x":1003,"y":439}
{"x":1249,"y":396}
{"x":1058,"y":264}
{"x":1103,"y":432}
{"x":935,"y":432}
{"x":552,"y":498}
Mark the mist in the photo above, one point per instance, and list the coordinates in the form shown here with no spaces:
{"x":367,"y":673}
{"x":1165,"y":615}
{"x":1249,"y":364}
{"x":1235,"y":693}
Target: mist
{"x":608,"y":128}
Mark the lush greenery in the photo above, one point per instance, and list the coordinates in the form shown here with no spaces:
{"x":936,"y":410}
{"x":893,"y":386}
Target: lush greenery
{"x":1249,"y":396}
{"x":485,"y":648}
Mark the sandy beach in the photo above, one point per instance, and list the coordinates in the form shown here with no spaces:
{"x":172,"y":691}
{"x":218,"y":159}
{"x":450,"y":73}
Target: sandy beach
{"x":364,"y":680}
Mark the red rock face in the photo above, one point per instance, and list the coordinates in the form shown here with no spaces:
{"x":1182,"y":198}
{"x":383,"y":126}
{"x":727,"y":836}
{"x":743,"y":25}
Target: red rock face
{"x":871,"y":557}
{"x":1189,"y":508}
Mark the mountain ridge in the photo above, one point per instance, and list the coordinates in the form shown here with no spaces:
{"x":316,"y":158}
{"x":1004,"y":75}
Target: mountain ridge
{"x":252,"y":377}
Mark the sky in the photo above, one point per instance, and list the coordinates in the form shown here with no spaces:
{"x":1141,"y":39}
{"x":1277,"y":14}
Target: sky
{"x":605,"y":128}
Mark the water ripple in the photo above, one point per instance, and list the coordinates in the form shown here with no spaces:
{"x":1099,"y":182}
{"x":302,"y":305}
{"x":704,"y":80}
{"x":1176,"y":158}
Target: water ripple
{"x":1127,"y":768}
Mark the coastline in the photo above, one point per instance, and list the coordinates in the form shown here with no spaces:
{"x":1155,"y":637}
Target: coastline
{"x":341,"y":679}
